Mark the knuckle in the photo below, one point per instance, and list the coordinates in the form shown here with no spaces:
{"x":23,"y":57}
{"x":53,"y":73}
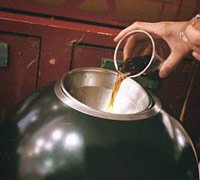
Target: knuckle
{"x":136,"y":24}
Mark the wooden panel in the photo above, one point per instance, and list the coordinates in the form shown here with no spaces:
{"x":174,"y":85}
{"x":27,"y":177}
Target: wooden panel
{"x":90,"y":56}
{"x":173,"y":90}
{"x":113,"y":12}
{"x":192,"y":111}
{"x":19,"y":78}
{"x":57,"y":39}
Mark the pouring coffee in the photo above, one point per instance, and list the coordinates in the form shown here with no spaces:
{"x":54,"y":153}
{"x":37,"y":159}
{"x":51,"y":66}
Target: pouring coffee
{"x":143,"y":54}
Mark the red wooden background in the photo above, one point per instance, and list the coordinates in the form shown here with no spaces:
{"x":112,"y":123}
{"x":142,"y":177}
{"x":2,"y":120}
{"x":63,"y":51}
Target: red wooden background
{"x":19,"y":78}
{"x":110,"y":12}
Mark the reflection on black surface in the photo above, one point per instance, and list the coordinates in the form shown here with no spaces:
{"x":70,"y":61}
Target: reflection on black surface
{"x":49,"y":141}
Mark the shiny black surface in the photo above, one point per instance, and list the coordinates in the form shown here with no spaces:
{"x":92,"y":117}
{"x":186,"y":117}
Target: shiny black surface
{"x":44,"y":139}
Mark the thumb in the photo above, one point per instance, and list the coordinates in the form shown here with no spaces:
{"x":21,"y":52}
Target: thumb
{"x":170,"y":64}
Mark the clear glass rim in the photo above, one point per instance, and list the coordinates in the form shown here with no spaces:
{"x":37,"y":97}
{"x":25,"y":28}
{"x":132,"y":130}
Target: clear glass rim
{"x":152,"y":55}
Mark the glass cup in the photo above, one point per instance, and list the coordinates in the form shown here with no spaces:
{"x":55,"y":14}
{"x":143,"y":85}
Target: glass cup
{"x":143,"y":54}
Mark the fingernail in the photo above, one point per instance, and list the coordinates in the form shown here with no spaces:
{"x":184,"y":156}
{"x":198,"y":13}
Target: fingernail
{"x":115,"y":39}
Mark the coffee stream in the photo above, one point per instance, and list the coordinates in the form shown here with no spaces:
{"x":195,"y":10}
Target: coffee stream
{"x":120,"y":78}
{"x":131,"y":67}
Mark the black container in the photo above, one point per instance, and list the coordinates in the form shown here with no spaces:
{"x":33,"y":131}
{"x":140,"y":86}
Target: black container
{"x":63,"y":132}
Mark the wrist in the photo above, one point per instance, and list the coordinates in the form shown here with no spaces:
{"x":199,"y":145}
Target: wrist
{"x":190,"y":32}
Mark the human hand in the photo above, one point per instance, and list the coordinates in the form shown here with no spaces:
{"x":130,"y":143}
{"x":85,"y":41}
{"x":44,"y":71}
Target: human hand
{"x":170,"y":32}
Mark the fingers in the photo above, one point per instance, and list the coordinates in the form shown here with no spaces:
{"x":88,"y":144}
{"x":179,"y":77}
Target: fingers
{"x":138,"y":44}
{"x":129,"y":46}
{"x":150,"y":27}
{"x":196,"y":55}
{"x":170,"y":64}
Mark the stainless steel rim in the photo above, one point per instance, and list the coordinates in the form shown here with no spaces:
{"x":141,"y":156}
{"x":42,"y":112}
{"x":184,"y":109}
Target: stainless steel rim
{"x":68,"y":99}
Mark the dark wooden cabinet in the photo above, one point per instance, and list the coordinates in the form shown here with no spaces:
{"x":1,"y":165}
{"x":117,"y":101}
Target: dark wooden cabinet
{"x":18,"y":78}
{"x":110,"y":12}
{"x":191,"y":116}
{"x":173,"y":90}
{"x":87,"y":55}
{"x":41,"y":50}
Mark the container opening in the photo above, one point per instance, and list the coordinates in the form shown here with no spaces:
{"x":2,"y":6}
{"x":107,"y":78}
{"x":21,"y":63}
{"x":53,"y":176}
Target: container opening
{"x":93,"y":87}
